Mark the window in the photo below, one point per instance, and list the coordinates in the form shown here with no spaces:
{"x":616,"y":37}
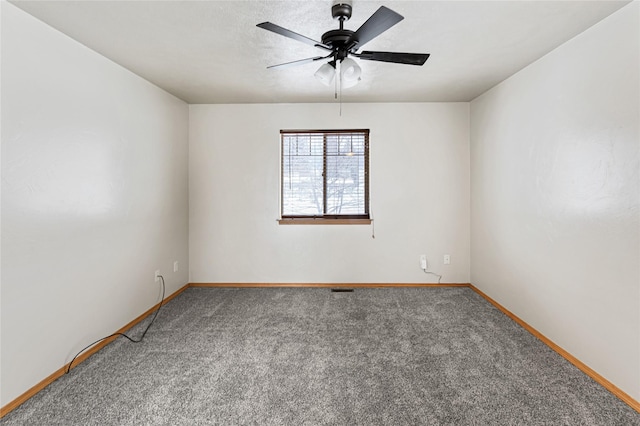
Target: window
{"x":325,"y":176}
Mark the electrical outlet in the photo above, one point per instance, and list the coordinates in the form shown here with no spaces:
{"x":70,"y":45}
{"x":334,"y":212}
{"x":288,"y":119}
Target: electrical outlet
{"x":447,"y":259}
{"x":423,"y":261}
{"x":157,"y":276}
{"x":175,"y":266}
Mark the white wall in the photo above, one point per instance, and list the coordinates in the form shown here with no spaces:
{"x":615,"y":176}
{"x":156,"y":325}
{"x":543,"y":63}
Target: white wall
{"x":555,"y":227}
{"x":94,"y":198}
{"x":419,"y":196}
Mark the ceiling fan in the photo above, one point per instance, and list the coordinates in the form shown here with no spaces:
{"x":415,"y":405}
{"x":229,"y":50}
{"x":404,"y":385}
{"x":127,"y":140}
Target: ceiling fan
{"x":342,"y":43}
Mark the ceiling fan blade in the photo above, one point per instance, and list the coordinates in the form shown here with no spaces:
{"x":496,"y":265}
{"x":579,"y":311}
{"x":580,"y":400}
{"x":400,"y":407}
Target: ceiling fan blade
{"x":300,"y":62}
{"x":395,"y":57}
{"x":383,"y":19}
{"x":288,"y":33}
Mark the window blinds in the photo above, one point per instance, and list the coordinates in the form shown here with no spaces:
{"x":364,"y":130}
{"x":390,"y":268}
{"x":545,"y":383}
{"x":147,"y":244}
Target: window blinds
{"x":325,"y":173}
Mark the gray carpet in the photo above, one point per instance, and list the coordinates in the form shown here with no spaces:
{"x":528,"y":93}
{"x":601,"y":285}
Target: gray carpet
{"x":294,"y":356}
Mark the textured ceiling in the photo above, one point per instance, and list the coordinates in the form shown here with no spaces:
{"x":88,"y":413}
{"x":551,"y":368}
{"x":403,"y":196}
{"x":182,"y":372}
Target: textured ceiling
{"x":212,"y":51}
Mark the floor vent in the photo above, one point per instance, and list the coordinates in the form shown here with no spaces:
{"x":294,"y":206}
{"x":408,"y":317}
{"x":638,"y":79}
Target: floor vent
{"x":342,"y":290}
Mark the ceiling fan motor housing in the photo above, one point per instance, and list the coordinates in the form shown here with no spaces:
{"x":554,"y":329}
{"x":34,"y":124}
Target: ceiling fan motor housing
{"x":338,"y":38}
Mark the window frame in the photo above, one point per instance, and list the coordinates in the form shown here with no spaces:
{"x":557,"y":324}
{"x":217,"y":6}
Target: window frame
{"x":327,"y":219}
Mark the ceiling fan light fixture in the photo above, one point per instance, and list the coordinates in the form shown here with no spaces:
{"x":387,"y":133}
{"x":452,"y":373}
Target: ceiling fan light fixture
{"x":326,"y":73}
{"x":343,"y":42}
{"x":350,"y":73}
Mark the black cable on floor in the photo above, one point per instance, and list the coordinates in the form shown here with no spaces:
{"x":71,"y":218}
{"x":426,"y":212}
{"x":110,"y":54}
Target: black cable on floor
{"x":122,"y":334}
